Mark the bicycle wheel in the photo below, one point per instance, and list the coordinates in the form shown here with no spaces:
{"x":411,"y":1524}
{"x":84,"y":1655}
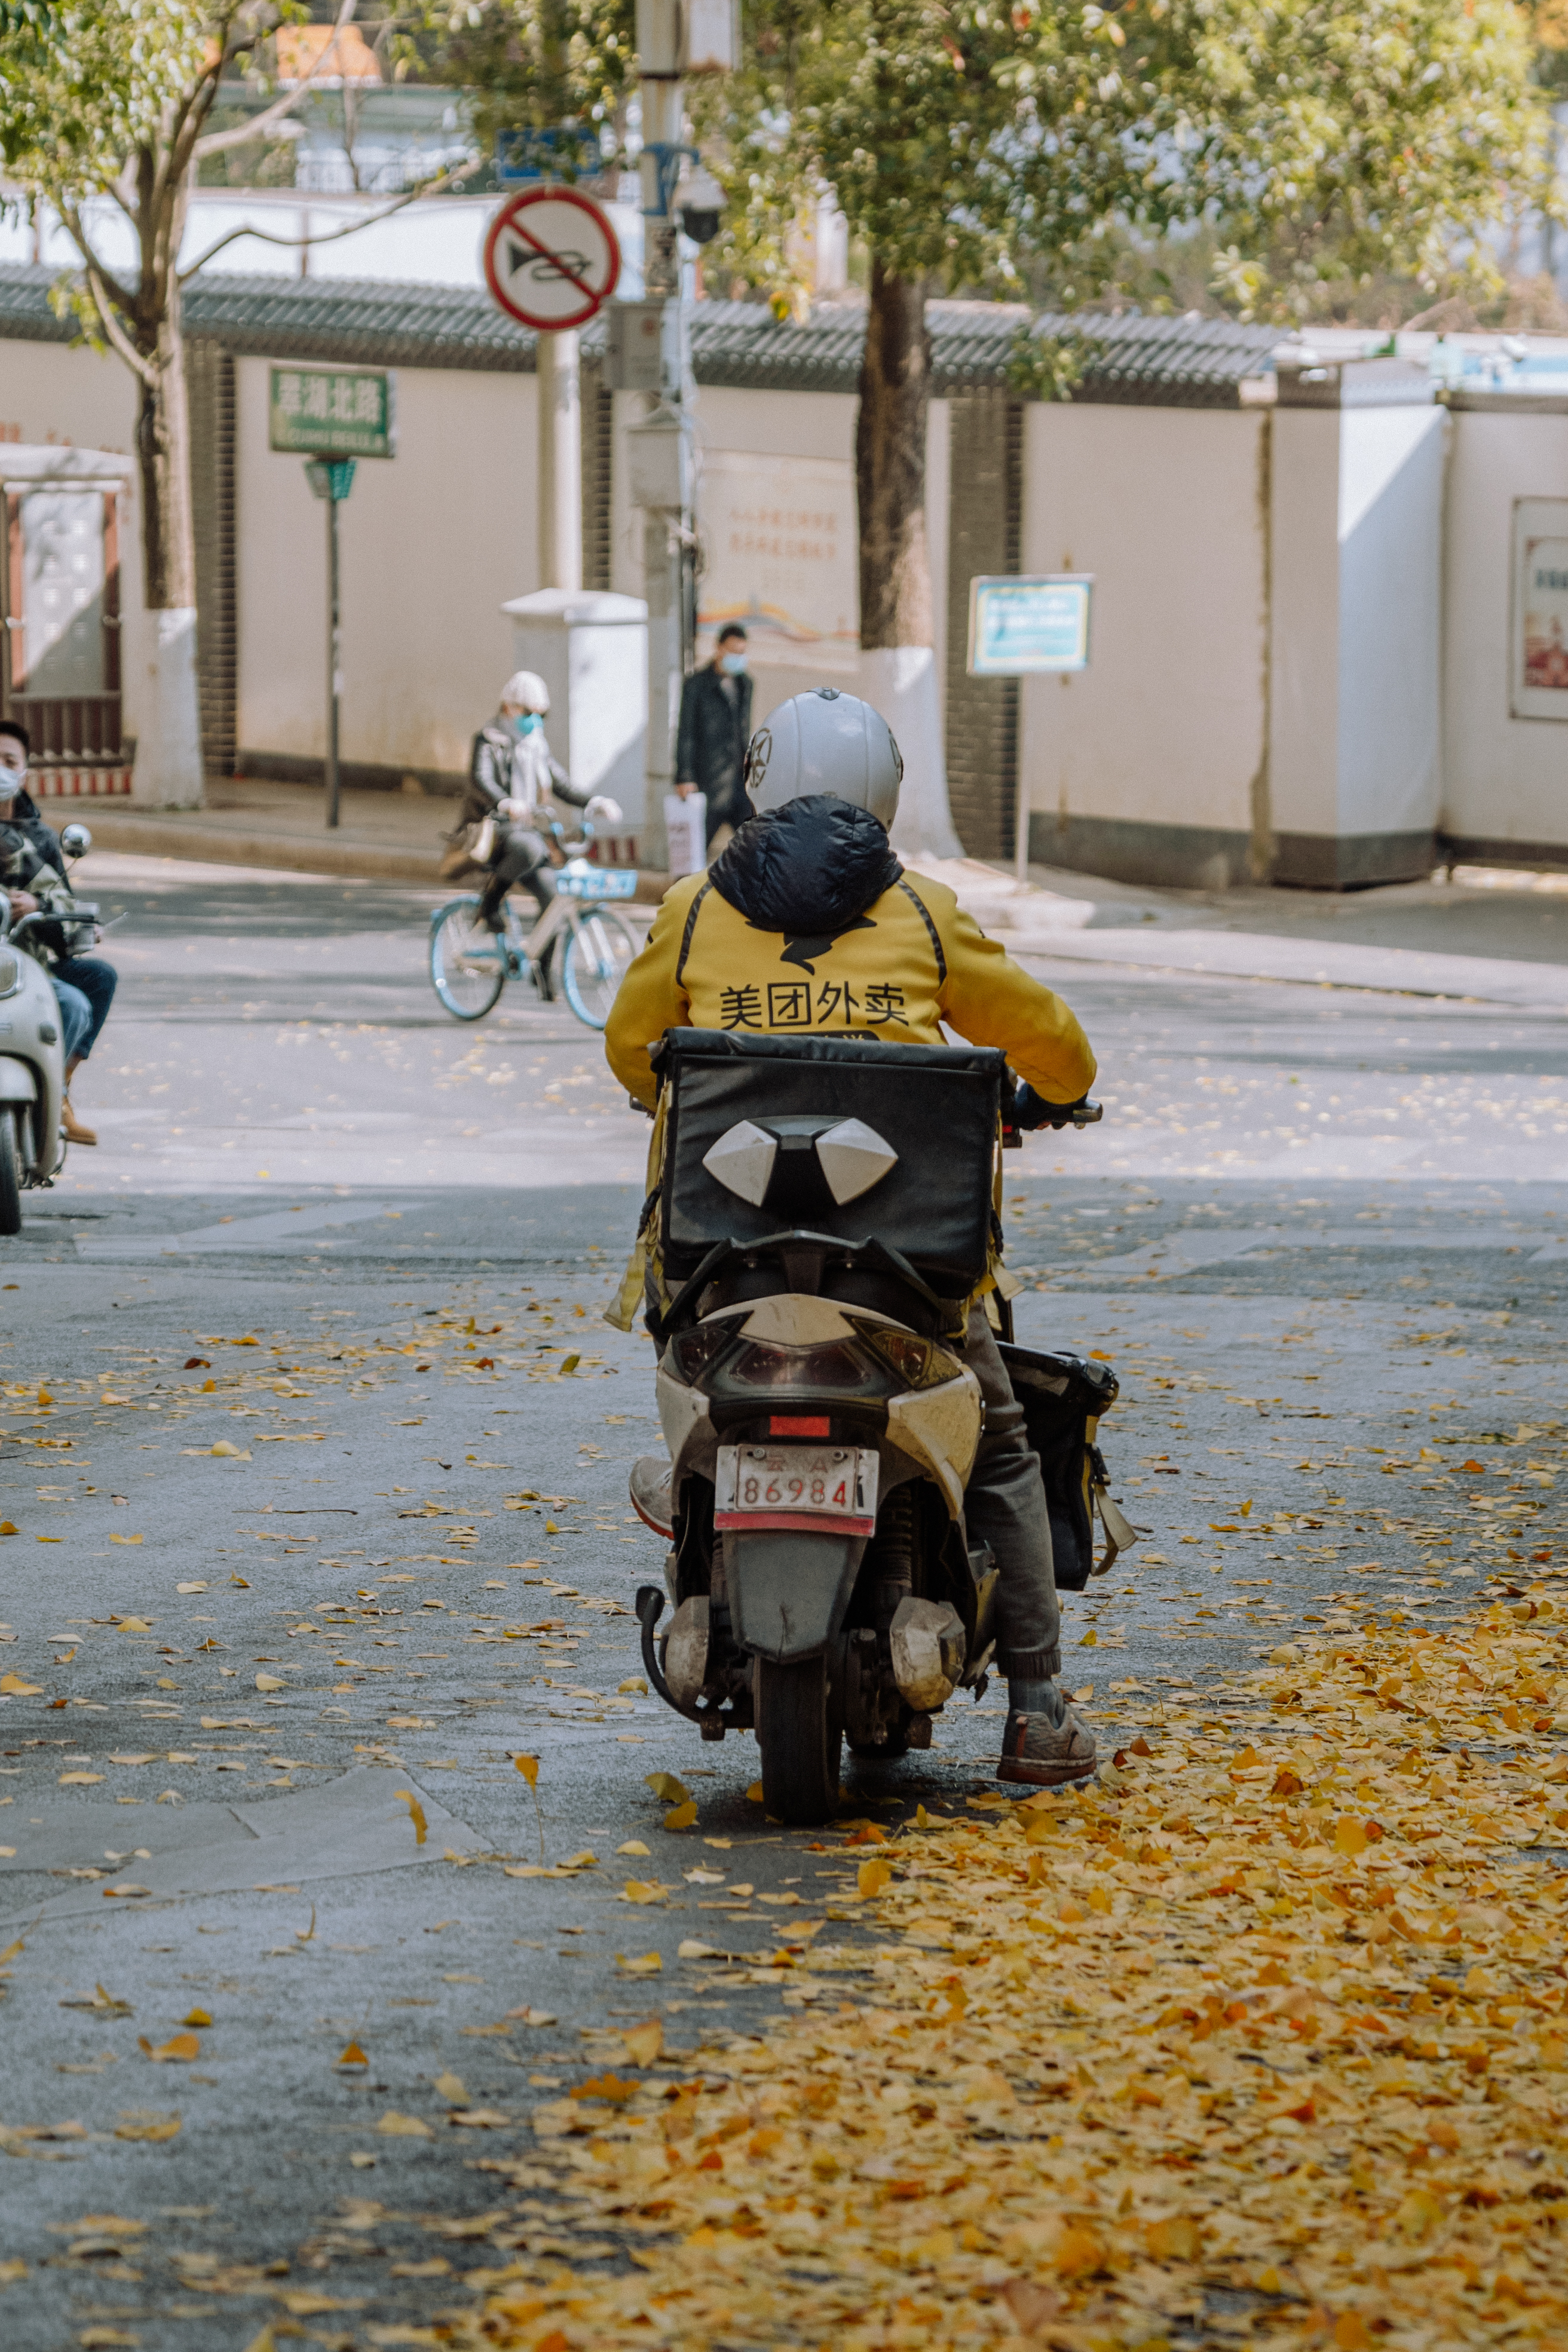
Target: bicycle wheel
{"x":467,"y":960}
{"x":596,"y":955}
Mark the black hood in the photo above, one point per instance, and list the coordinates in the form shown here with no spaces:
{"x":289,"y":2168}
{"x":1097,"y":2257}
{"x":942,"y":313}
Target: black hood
{"x":810,"y":868}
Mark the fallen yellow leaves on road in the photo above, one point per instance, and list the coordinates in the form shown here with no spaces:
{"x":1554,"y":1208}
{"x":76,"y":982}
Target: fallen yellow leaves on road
{"x":180,"y":2050}
{"x":416,"y":1813}
{"x":394,"y":2126}
{"x":144,"y":2123}
{"x":1265,"y":2036}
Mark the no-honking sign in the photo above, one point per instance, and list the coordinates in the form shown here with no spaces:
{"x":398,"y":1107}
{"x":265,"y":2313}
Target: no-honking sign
{"x":551,"y":258}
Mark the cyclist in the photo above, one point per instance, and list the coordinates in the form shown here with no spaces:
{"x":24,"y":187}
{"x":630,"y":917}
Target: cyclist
{"x":513,"y":777}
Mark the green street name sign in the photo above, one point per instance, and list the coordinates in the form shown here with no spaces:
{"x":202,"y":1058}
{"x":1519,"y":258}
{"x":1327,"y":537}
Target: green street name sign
{"x":331,"y":412}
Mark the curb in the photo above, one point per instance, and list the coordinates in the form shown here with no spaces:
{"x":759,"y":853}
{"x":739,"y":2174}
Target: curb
{"x":152,"y":836}
{"x":292,"y":853}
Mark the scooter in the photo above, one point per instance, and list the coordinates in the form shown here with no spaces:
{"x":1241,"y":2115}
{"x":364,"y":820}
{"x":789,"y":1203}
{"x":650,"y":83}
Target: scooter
{"x":32,"y":1057}
{"x":825,"y":1211}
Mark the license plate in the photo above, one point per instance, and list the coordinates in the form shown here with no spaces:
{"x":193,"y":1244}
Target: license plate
{"x":597,"y":882}
{"x":761,"y":1487}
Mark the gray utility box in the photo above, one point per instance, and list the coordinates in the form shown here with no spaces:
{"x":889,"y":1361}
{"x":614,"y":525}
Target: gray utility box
{"x":634,"y":348}
{"x":659,"y":461}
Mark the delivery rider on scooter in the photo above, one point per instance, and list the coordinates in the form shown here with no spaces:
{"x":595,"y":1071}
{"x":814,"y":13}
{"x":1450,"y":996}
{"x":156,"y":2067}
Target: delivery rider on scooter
{"x":809,"y":911}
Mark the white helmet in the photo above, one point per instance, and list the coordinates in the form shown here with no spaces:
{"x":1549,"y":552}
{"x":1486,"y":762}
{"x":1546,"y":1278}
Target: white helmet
{"x":526,"y":691}
{"x":825,"y":741}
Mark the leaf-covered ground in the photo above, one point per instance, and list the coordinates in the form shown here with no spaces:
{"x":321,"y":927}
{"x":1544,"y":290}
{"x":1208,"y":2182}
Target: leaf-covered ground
{"x":1263,"y":2038}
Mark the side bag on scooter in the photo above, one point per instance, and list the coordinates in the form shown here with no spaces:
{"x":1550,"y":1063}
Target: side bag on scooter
{"x":1063,"y":1398}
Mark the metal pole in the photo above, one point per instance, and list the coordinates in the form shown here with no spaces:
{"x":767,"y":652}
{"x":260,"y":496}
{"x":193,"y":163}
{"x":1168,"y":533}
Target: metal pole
{"x":1021,"y":832}
{"x":334,"y":661}
{"x":658,"y":41}
{"x":560,"y":460}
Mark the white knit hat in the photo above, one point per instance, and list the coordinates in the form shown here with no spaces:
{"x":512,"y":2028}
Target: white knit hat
{"x":526,"y":691}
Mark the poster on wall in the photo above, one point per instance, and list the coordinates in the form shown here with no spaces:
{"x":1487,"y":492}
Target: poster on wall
{"x":780,"y":557}
{"x":1539,"y":684}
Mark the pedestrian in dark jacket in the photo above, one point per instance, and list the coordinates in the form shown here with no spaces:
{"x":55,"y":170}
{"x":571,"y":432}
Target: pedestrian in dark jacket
{"x":715,"y":728}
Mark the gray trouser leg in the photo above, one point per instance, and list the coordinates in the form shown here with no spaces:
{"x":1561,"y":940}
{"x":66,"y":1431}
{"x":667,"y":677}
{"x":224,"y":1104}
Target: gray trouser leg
{"x":523,"y":857}
{"x":1005,"y":1507}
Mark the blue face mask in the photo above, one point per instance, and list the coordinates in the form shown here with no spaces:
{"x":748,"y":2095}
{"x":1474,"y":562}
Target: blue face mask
{"x":526,"y":722}
{"x":734,"y":665}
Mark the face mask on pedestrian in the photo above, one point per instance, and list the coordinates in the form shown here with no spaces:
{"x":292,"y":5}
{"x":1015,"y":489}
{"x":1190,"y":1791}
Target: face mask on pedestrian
{"x":13,"y":768}
{"x":526,"y":722}
{"x":732,"y":665}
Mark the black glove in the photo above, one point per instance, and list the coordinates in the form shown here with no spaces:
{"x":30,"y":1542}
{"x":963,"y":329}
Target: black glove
{"x":1031,"y":1110}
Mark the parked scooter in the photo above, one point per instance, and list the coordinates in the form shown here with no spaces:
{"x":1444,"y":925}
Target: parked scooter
{"x":32,"y":1057}
{"x":824,"y":1212}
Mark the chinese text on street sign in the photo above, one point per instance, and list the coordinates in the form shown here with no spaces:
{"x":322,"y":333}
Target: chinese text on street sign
{"x":1020,"y":627}
{"x":551,"y":258}
{"x":331,"y":412}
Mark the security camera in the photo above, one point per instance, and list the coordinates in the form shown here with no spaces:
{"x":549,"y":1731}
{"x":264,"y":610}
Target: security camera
{"x":701,"y":203}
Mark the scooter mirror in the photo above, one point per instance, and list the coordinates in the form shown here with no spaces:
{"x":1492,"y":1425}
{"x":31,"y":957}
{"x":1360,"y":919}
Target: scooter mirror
{"x":76,"y":840}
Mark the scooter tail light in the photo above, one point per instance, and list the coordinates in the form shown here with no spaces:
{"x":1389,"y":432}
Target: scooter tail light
{"x":696,"y":1351}
{"x":799,"y":1424}
{"x":920,"y":1363}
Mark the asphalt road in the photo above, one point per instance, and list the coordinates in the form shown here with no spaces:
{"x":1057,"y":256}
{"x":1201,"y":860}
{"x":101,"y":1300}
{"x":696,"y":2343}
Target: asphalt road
{"x":1323,"y":1236}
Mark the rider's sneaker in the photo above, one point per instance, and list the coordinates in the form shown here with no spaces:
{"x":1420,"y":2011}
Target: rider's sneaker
{"x":653,"y":1497}
{"x":493,"y":917}
{"x":1045,"y":1744}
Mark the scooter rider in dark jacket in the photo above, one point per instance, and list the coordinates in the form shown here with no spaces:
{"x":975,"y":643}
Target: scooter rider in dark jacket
{"x":809,"y":921}
{"x":513,"y":776}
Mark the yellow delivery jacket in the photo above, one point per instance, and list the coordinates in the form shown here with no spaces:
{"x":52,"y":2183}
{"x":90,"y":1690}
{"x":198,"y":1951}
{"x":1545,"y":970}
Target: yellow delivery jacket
{"x":899,"y":967}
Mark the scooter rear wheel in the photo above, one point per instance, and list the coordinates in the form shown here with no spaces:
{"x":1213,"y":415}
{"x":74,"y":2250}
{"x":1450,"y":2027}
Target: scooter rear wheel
{"x":801,"y":1734}
{"x":10,"y":1173}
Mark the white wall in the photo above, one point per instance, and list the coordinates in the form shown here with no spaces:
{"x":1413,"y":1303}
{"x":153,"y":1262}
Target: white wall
{"x":1305,"y":595}
{"x":1391,"y":563}
{"x":434,"y":542}
{"x":49,"y":392}
{"x":1506,"y":779}
{"x":1357,"y":558}
{"x":793,"y":424}
{"x":1163,"y":505}
{"x":437,"y":241}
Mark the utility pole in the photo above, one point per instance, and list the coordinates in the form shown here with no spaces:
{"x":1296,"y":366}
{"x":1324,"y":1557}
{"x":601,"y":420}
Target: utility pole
{"x":665,"y":476}
{"x":675,"y":38}
{"x":560,"y":460}
{"x":558,"y":384}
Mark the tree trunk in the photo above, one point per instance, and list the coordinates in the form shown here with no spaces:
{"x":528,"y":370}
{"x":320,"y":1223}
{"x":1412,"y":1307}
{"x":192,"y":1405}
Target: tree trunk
{"x":898,"y":663}
{"x":163,"y":451}
{"x":890,"y":465}
{"x":166,"y":693}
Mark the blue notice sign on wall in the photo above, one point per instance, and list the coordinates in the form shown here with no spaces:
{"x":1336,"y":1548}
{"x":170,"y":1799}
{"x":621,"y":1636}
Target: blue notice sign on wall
{"x":1019,"y":628}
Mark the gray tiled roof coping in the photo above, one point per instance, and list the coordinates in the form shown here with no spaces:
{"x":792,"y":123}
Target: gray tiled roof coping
{"x":1158,"y":362}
